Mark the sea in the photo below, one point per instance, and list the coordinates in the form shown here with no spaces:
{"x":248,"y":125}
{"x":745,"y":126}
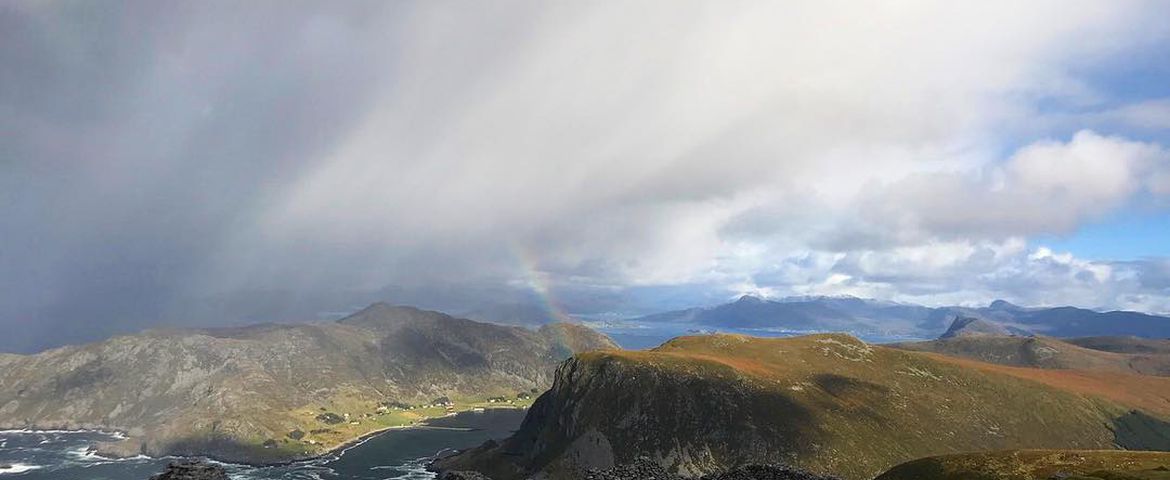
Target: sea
{"x":400,"y":454}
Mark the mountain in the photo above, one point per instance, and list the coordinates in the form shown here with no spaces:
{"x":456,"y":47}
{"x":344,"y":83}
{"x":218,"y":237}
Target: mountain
{"x":1063,"y":321}
{"x":802,"y":313}
{"x":987,"y":341}
{"x":975,"y":327}
{"x":828,"y":403}
{"x":1037,"y":465}
{"x":275,"y":392}
{"x":864,"y":316}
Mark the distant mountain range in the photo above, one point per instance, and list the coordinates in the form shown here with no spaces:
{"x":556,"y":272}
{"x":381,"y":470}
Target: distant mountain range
{"x":827,"y":403}
{"x":987,"y":342}
{"x":863,"y":316}
{"x":278,"y":392}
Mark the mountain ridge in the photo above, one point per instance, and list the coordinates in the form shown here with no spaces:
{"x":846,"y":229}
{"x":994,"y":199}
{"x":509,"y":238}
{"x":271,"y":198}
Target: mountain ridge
{"x":810,"y":314}
{"x":269,"y":392}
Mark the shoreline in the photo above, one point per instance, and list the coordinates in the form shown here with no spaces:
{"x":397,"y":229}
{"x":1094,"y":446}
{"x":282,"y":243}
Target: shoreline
{"x":330,"y":454}
{"x":422,"y":425}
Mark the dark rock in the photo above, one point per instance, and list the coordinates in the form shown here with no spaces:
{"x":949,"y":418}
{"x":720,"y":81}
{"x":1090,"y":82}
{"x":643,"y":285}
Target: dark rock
{"x":463,"y":476}
{"x":192,"y":470}
{"x":767,"y":472}
{"x":296,"y":434}
{"x":640,"y":469}
{"x":647,"y":469}
{"x":330,"y":418}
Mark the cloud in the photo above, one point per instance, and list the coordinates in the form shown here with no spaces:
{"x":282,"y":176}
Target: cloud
{"x":160,"y":158}
{"x":1047,"y":187}
{"x":972,"y":273}
{"x":1148,"y":114}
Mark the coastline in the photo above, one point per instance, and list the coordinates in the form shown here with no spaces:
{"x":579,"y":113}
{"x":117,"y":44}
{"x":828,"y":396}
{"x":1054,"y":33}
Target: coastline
{"x":422,"y":425}
{"x":114,"y":450}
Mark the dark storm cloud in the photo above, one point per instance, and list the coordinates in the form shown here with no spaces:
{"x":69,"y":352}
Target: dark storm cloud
{"x":136,"y":134}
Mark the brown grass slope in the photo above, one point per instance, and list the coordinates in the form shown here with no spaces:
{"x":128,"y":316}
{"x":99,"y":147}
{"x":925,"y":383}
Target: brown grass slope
{"x":1037,"y":465}
{"x":1047,"y":352}
{"x":828,"y":403}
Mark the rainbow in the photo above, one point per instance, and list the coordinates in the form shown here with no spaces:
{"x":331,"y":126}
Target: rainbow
{"x":537,"y":280}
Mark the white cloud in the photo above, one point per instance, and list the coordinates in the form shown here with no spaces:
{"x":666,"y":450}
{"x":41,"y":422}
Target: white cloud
{"x":1043,"y":188}
{"x":971,"y":273}
{"x":624,"y":144}
{"x":597,"y":121}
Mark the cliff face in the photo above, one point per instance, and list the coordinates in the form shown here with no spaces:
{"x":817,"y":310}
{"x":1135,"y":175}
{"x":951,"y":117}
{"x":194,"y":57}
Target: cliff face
{"x":245,"y":393}
{"x":827,"y":403}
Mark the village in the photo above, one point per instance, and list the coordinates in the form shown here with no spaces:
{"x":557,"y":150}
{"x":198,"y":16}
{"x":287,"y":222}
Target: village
{"x":346,"y":418}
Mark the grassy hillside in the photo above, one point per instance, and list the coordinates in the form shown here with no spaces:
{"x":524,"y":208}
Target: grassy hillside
{"x":828,"y":403}
{"x":1124,"y":344}
{"x":1046,"y":352}
{"x":275,"y":392}
{"x":1037,"y":465}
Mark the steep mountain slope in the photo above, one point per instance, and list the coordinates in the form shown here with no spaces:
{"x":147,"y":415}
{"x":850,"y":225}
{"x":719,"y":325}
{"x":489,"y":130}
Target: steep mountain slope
{"x":1037,"y":465}
{"x":828,"y":403}
{"x":273,"y":392}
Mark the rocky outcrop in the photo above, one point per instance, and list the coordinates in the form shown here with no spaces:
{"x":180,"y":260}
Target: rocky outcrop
{"x":646,"y":469}
{"x":460,"y":475}
{"x":193,"y":470}
{"x":767,"y":472}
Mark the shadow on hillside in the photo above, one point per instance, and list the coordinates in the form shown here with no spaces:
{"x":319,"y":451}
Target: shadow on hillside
{"x":1138,"y":431}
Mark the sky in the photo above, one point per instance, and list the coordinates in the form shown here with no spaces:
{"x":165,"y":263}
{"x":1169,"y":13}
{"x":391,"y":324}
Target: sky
{"x":215,"y":163}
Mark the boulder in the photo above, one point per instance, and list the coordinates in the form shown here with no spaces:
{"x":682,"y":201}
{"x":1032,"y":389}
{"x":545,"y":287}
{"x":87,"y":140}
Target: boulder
{"x":192,"y":470}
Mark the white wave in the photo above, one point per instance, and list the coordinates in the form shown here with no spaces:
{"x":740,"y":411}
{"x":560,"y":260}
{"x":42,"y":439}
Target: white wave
{"x":17,"y":468}
{"x":414,"y":470}
{"x":113,"y":434}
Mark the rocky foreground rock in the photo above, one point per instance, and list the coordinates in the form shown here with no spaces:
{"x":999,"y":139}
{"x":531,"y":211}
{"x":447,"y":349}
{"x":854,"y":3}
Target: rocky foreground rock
{"x":645,"y":469}
{"x":192,"y":470}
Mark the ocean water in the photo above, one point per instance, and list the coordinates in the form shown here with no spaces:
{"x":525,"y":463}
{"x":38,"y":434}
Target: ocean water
{"x":395,"y":454}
